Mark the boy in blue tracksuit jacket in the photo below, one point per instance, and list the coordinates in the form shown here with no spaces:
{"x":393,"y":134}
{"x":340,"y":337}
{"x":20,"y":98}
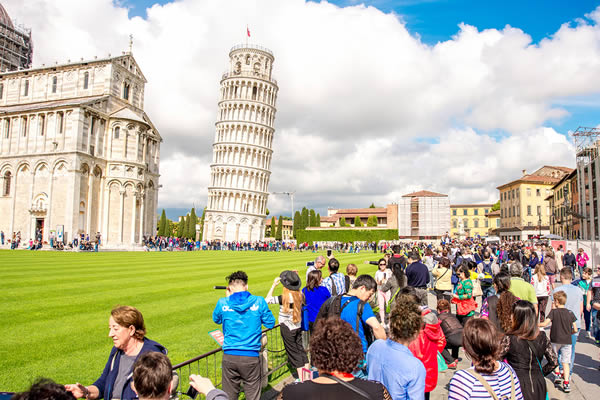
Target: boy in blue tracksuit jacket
{"x":242,"y":316}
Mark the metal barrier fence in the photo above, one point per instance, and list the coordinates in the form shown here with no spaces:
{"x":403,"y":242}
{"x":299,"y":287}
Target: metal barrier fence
{"x":272,"y":356}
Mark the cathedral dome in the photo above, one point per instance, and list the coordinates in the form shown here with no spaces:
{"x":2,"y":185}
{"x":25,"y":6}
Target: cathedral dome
{"x":4,"y":18}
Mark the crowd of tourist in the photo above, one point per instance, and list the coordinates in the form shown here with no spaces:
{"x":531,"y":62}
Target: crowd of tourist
{"x":377,"y":337}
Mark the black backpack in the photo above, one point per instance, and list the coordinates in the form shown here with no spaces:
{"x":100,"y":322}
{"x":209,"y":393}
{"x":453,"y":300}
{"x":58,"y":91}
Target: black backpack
{"x":333,"y":308}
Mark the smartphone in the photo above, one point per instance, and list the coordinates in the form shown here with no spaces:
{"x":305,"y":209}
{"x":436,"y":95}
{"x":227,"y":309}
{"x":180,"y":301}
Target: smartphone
{"x":192,"y":393}
{"x":310,"y":263}
{"x":329,"y":253}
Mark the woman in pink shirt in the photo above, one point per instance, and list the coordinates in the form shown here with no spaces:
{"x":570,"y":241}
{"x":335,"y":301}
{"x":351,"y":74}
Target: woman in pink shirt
{"x":582,"y":259}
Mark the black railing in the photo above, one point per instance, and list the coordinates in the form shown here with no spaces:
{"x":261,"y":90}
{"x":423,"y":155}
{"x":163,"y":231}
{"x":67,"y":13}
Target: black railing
{"x":272,"y":356}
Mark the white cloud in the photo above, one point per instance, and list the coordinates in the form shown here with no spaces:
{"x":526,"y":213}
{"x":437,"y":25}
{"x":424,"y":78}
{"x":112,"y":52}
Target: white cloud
{"x":366,"y":112}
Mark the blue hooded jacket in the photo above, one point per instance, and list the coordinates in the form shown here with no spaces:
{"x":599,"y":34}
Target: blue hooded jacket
{"x":105,"y":383}
{"x":242,"y":315}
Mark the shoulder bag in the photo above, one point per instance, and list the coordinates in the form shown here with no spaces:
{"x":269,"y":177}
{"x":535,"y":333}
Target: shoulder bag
{"x":486,"y":385}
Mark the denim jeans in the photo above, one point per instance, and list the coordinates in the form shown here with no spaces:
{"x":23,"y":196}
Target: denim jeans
{"x":487,"y":291}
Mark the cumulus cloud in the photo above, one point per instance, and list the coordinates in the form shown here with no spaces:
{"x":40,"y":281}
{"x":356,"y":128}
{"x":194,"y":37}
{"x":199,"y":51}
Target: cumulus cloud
{"x":366,"y":111}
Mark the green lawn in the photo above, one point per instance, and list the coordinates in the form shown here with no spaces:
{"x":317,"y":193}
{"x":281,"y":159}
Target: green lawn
{"x":55,"y":306}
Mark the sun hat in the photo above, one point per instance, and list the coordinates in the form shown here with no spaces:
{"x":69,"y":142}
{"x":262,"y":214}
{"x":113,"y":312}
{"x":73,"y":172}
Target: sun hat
{"x":290,"y":280}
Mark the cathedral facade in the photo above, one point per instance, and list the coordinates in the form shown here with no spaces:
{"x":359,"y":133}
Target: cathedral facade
{"x":78,"y":154}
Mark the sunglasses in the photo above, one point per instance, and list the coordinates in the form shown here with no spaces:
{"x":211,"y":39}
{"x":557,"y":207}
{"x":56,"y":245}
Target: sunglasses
{"x":381,"y":264}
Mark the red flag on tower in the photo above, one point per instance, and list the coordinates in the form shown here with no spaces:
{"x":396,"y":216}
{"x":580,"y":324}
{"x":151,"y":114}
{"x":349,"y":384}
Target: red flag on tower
{"x":248,"y":31}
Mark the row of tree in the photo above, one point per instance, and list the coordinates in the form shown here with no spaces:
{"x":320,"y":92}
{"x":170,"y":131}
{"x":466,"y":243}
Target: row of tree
{"x":371,"y":221}
{"x":185,"y":228}
{"x":305,"y":219}
{"x":276,"y":229}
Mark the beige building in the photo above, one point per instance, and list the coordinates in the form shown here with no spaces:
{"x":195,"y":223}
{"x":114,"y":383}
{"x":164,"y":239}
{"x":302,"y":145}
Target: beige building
{"x":469,"y":220}
{"x":78,"y":154}
{"x":524,"y":209}
{"x":387,"y":217}
{"x":493,"y":218}
{"x":287,"y":228}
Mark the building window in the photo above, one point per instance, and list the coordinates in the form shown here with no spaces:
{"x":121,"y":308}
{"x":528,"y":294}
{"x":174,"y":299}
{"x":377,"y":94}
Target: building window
{"x":518,"y":190}
{"x":86,"y":80}
{"x":487,"y":223}
{"x":465,"y":212}
{"x":486,"y":211}
{"x":518,"y":211}
{"x":6,"y":186}
{"x":117,"y":131}
{"x":24,"y":127}
{"x":497,"y":223}
{"x":538,"y":192}
{"x":454,"y":223}
{"x":539,"y":210}
{"x":7,"y":135}
{"x":126,"y":91}
{"x":528,"y":192}
{"x":54,"y":84}
{"x":475,"y":223}
{"x":528,"y":210}
{"x":466,"y":223}
{"x":453,"y":212}
{"x":476,"y":212}
{"x":1,"y":90}
{"x":26,"y":88}
{"x":514,"y":212}
{"x":42,"y":124}
{"x":248,"y":59}
{"x":61,"y":119}
{"x":502,"y":213}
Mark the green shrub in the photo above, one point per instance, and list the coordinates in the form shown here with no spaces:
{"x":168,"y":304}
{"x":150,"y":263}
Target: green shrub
{"x":344,"y":236}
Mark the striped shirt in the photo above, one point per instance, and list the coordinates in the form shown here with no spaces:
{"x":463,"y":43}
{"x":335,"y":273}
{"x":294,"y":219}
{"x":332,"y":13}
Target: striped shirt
{"x":465,"y":386}
{"x":338,"y":279}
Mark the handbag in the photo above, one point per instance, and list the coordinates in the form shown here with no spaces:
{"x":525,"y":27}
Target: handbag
{"x":350,"y":386}
{"x":305,"y":322}
{"x":476,"y":288}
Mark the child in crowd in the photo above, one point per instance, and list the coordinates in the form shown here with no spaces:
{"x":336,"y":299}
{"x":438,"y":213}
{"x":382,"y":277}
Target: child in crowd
{"x":585,"y":285}
{"x":563,"y":326}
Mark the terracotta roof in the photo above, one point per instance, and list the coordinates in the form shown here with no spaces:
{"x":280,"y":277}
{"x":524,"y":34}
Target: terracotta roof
{"x":565,"y":169}
{"x":425,"y":193}
{"x":329,"y":219}
{"x":494,"y":213}
{"x":532,"y":179}
{"x":286,"y":222}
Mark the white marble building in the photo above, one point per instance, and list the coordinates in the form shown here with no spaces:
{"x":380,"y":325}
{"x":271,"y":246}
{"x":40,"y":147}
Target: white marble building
{"x":77,"y":151}
{"x":242,"y":150}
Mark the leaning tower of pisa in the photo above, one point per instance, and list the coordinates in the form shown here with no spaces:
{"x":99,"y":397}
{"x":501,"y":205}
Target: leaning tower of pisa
{"x":241,"y":168}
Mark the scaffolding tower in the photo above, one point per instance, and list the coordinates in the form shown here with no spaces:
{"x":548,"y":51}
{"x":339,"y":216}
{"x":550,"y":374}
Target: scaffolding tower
{"x":16,"y":46}
{"x":587,"y":143}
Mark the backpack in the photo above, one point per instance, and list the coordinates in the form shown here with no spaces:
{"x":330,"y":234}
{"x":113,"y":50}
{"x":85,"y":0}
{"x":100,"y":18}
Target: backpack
{"x":333,"y":308}
{"x":488,"y":275}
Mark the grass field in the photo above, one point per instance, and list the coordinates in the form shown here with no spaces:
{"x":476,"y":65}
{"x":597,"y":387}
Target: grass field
{"x":55,"y":306}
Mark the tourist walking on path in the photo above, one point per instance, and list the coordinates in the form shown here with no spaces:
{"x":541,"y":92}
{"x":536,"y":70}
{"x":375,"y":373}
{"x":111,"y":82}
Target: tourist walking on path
{"x":443,"y":283}
{"x":524,"y":348}
{"x":487,"y":378}
{"x":569,"y":260}
{"x":582,"y":259}
{"x":575,"y":305}
{"x":463,"y":296}
{"x":551,"y":268}
{"x":541,"y":284}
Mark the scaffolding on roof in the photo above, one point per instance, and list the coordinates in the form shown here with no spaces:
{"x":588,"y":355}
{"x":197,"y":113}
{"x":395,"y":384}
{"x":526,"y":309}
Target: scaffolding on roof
{"x":16,"y":47}
{"x":587,"y":142}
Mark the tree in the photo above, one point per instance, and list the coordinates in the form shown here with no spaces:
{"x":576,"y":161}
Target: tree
{"x":191,"y":226}
{"x":357,"y":221}
{"x":297,"y":222}
{"x":496,"y":206}
{"x":172,"y":228}
{"x":272,"y":233}
{"x":202,"y":223}
{"x":279,"y":232}
{"x":305,"y":218}
{"x":343,"y":222}
{"x":372,"y":205}
{"x":312,"y":217}
{"x":318,"y":220}
{"x":163,"y":225}
{"x":181,"y":227}
{"x":372,"y":221}
{"x":267,"y":212}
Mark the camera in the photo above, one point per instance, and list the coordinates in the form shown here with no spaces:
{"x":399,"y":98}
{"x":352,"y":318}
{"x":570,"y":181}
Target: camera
{"x":192,"y":393}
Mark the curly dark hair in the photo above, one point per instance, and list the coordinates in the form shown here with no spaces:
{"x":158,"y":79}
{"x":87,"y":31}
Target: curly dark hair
{"x":44,"y":389}
{"x":335,"y":346}
{"x":405,"y":318}
{"x":481,"y":342}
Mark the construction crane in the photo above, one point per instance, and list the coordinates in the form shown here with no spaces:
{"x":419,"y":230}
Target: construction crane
{"x":291,"y":195}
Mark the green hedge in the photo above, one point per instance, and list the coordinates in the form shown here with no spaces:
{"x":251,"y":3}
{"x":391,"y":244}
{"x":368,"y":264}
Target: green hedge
{"x":346,"y":235}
